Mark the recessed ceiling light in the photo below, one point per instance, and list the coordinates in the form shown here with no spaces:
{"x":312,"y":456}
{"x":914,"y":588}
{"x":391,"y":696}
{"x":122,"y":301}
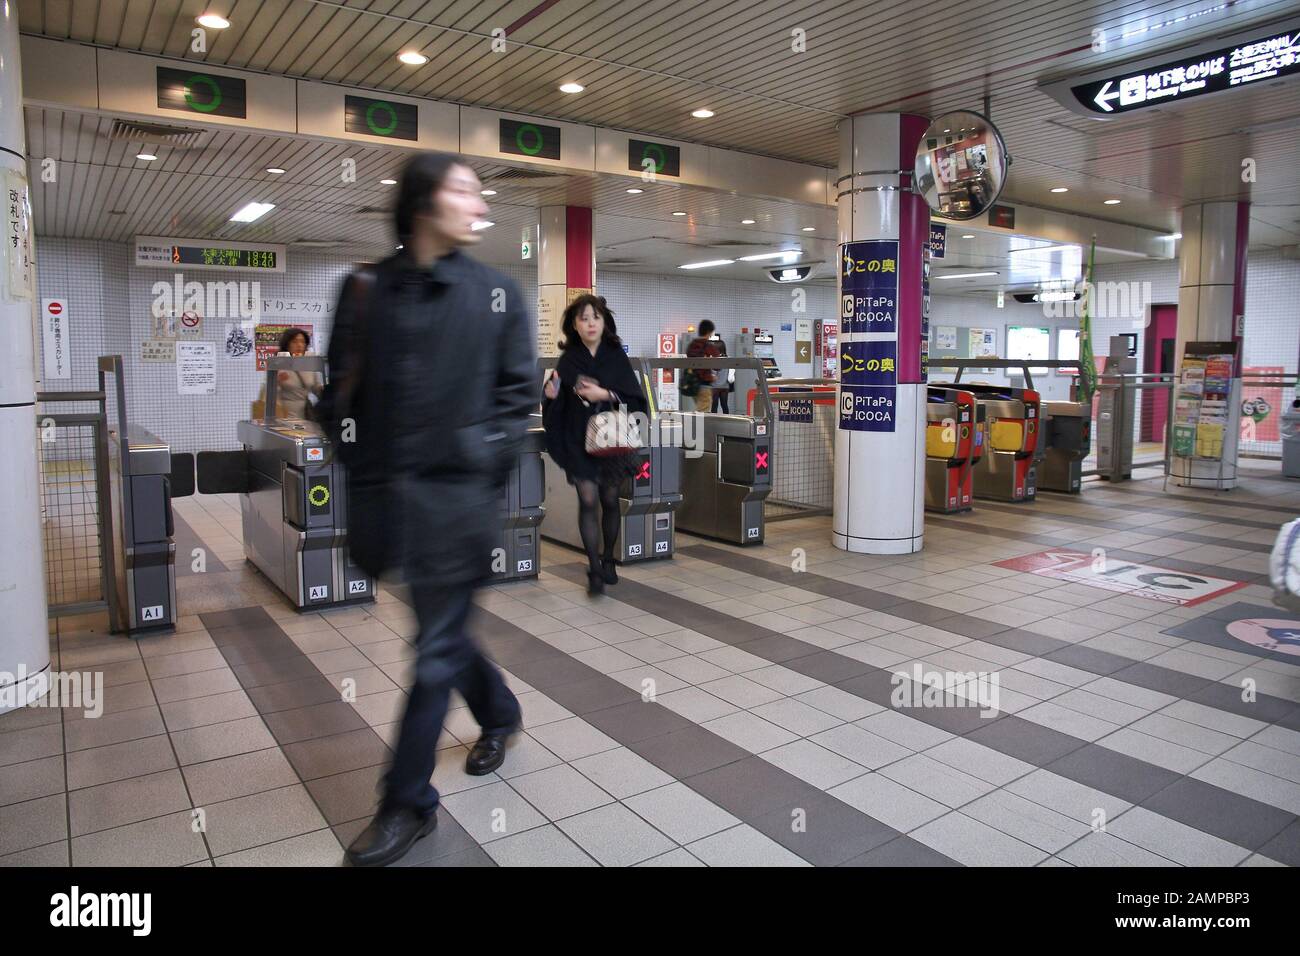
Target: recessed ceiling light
{"x":770,"y":255}
{"x":965,"y":275}
{"x":809,"y":228}
{"x":746,"y":222}
{"x":702,"y":114}
{"x":253,"y":211}
{"x":147,"y":157}
{"x":487,"y":192}
{"x":388,"y":182}
{"x":969,"y":235}
{"x":679,"y":214}
{"x":1111,"y":202}
{"x":1060,"y":189}
{"x":571,"y":88}
{"x":705,"y":265}
{"x":274,"y":170}
{"x":634,"y":191}
{"x":411,"y":58}
{"x":481,"y":224}
{"x":212,"y":21}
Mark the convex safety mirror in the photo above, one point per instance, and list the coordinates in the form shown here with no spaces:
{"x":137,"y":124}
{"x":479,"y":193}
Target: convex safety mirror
{"x":961,"y":165}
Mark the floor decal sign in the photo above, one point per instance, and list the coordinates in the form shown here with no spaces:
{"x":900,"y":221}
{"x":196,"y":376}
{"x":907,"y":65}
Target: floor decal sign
{"x":1125,"y":577}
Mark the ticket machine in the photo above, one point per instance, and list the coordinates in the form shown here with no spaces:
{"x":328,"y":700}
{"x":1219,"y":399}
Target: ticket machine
{"x":1067,"y":428}
{"x":954,"y":445}
{"x":1006,"y":471}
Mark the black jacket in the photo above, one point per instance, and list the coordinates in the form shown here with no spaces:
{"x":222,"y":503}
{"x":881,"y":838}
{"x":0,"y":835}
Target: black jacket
{"x":436,"y":369}
{"x":566,"y":417}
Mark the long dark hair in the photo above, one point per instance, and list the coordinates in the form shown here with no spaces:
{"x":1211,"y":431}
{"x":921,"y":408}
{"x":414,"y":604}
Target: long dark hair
{"x":288,"y":335}
{"x":569,"y":326}
{"x":422,"y":177}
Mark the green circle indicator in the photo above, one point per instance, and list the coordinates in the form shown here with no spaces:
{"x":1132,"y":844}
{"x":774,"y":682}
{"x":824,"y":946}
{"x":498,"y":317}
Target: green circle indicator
{"x":661,"y":162}
{"x":319,"y":496}
{"x":192,"y":102}
{"x":519,"y":139}
{"x":374,"y":126}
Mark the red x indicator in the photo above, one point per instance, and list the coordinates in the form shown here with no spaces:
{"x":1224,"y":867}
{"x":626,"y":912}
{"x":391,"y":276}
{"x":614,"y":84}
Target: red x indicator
{"x":644,"y":473}
{"x":760,"y":460}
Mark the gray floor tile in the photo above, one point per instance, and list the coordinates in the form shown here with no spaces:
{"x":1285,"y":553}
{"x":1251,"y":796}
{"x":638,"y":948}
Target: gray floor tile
{"x":35,"y":778}
{"x":750,"y":732}
{"x":751,"y":787}
{"x":680,"y":812}
{"x":161,"y":841}
{"x":972,"y":843}
{"x":1026,"y":820}
{"x":33,"y":823}
{"x":696,"y":705}
{"x":860,"y":746}
{"x":86,"y":768}
{"x":685,"y":753}
{"x":543,"y":846}
{"x":126,"y":801}
{"x":936,"y":780}
{"x":492,"y":812}
{"x":573,"y":738}
{"x":319,"y":848}
{"x":615,"y":836}
{"x":743,"y":846}
{"x":1106,"y":849}
{"x":621,"y":773}
{"x":1227,"y":815}
{"x":560,"y":791}
{"x":902,"y":851}
{"x":250,"y":821}
{"x":213,"y":741}
{"x":1178,"y":842}
{"x":815,"y":764}
{"x":238,"y":776}
{"x":678,"y":857}
{"x":889,"y":802}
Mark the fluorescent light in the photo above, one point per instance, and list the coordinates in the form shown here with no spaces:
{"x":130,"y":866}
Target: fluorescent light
{"x":1059,"y":189}
{"x":274,"y":170}
{"x":212,"y":21}
{"x":965,"y":275}
{"x":746,"y":222}
{"x":1175,"y":235}
{"x":388,"y":182}
{"x":969,"y":236}
{"x":634,"y":191}
{"x":411,"y":58}
{"x":706,"y":265}
{"x":770,"y":255}
{"x":679,"y":214}
{"x":1110,"y":202}
{"x":487,"y":192}
{"x":252,"y":212}
{"x":571,"y":88}
{"x":1056,"y":296}
{"x":809,"y":228}
{"x":702,"y":114}
{"x":147,"y":157}
{"x":480,"y":224}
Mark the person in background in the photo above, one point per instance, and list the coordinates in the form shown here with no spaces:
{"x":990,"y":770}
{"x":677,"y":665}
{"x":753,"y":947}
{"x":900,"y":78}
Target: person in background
{"x":293,"y":388}
{"x":724,"y":384}
{"x":703,"y":346}
{"x":592,"y":375}
{"x":432,"y":381}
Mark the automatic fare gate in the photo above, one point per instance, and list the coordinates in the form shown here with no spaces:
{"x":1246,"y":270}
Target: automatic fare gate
{"x":954,"y":445}
{"x":1006,"y":471}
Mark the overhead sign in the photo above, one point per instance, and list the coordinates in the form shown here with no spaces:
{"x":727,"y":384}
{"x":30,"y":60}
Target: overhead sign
{"x":1208,"y":68}
{"x":166,"y":252}
{"x":381,"y":118}
{"x":1127,"y":577}
{"x":1004,"y":217}
{"x":664,"y":160}
{"x":209,"y":94}
{"x":530,"y":139}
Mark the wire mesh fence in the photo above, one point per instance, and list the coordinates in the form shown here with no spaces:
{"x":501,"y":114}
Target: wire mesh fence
{"x":803,"y":454}
{"x":70,"y":503}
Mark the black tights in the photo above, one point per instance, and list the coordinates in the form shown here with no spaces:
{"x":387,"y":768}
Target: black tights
{"x":591,"y":494}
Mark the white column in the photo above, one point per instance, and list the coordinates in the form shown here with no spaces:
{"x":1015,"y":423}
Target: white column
{"x":1211,"y":301}
{"x":566,"y":268}
{"x":880,"y":442}
{"x":24,"y":636}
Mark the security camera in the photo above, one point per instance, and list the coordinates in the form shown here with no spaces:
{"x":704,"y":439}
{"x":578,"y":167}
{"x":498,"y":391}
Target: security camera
{"x":790,"y":273}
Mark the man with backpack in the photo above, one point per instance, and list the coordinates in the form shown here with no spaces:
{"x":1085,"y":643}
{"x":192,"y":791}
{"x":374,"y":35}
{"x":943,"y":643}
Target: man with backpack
{"x":702,"y":346}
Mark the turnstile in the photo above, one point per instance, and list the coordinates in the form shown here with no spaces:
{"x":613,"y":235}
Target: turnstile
{"x":1006,"y":471}
{"x":295,"y":514}
{"x":140,"y":468}
{"x":521,"y":513}
{"x":1067,"y":428}
{"x":954,"y":445}
{"x":723,"y":487}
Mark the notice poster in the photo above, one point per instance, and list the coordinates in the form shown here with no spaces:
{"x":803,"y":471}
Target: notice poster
{"x":1261,"y":404}
{"x":196,"y":368}
{"x":266,"y":338}
{"x":239,"y":339}
{"x":158,"y":351}
{"x":945,"y":338}
{"x":17,"y":273}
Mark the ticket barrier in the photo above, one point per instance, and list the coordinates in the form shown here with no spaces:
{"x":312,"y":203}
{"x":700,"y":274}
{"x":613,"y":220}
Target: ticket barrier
{"x":954,"y":445}
{"x":724,"y":487}
{"x":522,"y":512}
{"x":1006,"y":471}
{"x":1067,"y":429}
{"x":648,"y":500}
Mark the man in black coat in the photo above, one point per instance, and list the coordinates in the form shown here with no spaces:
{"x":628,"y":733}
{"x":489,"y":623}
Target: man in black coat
{"x":432,"y":379}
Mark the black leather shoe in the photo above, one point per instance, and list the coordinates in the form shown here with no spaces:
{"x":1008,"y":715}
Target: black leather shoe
{"x":608,"y":571}
{"x":488,"y":753}
{"x":390,"y":834}
{"x":595,"y":583}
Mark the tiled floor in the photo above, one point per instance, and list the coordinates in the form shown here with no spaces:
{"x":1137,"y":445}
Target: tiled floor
{"x":721,"y":708}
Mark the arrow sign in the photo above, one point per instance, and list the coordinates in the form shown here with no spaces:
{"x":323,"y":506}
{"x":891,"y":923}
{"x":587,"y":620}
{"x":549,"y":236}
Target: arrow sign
{"x":1104,"y":97}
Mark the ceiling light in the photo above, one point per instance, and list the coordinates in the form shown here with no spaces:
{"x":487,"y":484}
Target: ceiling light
{"x":480,"y":224}
{"x":965,"y":275}
{"x":769,"y":255}
{"x":212,"y":21}
{"x":679,"y":214}
{"x":274,"y":170}
{"x":969,"y":235}
{"x":1173,"y":235}
{"x":634,"y":191}
{"x":253,"y":211}
{"x":1110,"y":202}
{"x":705,"y":265}
{"x":746,"y":222}
{"x":147,"y":157}
{"x":809,"y":228}
{"x":1059,"y":295}
{"x":702,"y":114}
{"x":1059,"y":189}
{"x":411,"y":58}
{"x":388,"y":182}
{"x":487,"y":192}
{"x":571,"y":88}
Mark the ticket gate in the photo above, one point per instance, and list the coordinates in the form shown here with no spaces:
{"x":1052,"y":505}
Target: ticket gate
{"x":724,"y":487}
{"x":144,"y":566}
{"x":1067,"y":428}
{"x":519,"y":555}
{"x":1006,"y":471}
{"x":648,"y":500}
{"x":954,"y":445}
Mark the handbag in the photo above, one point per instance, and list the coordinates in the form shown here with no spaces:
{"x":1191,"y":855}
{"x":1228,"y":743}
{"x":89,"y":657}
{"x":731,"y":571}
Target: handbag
{"x":612,"y":433}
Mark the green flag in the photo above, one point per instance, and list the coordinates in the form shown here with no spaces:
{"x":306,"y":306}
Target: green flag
{"x":1087,"y":369}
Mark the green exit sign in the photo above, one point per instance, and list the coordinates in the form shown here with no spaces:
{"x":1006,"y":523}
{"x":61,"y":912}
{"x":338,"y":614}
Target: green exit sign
{"x":530,"y":139}
{"x":381,"y":118}
{"x":194,"y":91}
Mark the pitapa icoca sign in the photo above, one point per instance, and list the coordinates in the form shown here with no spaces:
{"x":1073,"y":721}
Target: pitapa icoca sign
{"x":1127,"y":577}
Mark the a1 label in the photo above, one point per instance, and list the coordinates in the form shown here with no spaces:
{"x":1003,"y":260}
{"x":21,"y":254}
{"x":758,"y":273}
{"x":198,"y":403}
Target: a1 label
{"x":320,"y":593}
{"x":154,"y":613}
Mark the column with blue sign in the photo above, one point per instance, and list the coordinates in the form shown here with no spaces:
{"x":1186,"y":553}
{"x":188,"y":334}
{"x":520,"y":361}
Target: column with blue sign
{"x":884,"y":235}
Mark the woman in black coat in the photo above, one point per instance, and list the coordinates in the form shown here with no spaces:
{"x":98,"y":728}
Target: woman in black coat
{"x":593,"y":375}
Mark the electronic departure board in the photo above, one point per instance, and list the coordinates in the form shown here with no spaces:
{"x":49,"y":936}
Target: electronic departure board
{"x":218,"y":256}
{"x":177,"y":253}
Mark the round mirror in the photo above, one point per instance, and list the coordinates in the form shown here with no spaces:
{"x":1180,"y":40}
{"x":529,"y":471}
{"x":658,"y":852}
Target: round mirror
{"x":961,"y":165}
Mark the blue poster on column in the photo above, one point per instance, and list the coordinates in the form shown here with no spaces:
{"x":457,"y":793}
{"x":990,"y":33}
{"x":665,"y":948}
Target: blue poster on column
{"x":867,"y":408}
{"x":869,"y":286}
{"x":869,"y":363}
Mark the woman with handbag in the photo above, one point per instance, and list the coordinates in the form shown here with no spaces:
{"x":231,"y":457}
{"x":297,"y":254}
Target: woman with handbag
{"x":589,"y":432}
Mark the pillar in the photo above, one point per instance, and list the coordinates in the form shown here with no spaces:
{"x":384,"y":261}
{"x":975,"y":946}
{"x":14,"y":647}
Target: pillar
{"x":883,"y":294}
{"x":24,"y":634}
{"x":566,"y":268}
{"x":1211,"y":308}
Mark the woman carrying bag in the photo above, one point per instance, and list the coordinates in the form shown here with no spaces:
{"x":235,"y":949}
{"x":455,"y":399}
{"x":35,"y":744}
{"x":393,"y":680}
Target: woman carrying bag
{"x":587,"y":407}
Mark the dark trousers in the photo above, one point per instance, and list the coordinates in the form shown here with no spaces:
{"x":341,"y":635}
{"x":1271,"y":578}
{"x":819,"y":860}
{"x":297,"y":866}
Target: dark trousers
{"x":448,"y":659}
{"x":720,"y":401}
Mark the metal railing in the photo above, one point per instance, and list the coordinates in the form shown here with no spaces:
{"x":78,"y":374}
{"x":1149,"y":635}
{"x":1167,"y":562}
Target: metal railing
{"x":803,"y":443}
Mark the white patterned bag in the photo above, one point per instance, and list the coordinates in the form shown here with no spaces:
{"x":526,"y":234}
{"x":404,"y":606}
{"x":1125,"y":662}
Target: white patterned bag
{"x":1284,"y":567}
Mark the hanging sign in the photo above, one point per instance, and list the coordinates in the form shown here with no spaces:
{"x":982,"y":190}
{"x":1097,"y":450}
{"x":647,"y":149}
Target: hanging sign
{"x":167,"y":253}
{"x":381,"y":118}
{"x":17,"y":240}
{"x":54,"y":325}
{"x":663,"y":160}
{"x":209,"y":94}
{"x":530,"y":139}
